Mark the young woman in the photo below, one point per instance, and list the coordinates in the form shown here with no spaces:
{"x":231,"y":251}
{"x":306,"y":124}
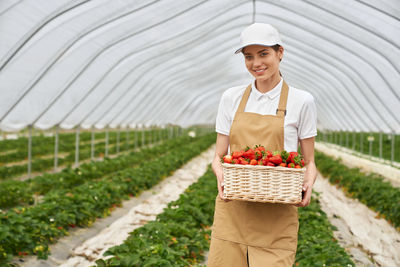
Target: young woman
{"x":271,"y":113}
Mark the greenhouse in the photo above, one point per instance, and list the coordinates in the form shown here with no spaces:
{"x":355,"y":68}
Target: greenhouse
{"x":116,"y":145}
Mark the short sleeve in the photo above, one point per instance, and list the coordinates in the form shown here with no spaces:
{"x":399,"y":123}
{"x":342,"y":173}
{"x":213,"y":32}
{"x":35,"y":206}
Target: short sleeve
{"x":223,"y":120}
{"x":307,"y":126}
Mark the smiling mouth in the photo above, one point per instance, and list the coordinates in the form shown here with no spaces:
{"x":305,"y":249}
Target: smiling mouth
{"x":260,"y":71}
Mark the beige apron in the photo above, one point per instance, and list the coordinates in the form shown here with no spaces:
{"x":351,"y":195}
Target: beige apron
{"x":272,"y":227}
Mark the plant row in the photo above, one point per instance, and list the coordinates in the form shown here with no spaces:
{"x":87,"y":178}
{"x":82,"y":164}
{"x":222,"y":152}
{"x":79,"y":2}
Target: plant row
{"x":180,"y":235}
{"x":39,"y":164}
{"x":14,"y":193}
{"x":67,"y":140}
{"x":370,"y":189}
{"x":359,"y":141}
{"x":30,"y":230}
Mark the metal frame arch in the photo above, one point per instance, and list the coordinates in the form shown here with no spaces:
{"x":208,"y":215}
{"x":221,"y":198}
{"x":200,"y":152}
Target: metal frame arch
{"x":28,"y":36}
{"x":130,"y":102}
{"x":133,"y":68}
{"x":382,"y":102}
{"x":54,"y":61}
{"x":329,"y":70}
{"x":93,"y":58}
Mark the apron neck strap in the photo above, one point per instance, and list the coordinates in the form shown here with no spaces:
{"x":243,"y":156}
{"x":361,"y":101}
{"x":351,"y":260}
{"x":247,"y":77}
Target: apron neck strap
{"x":280,"y":111}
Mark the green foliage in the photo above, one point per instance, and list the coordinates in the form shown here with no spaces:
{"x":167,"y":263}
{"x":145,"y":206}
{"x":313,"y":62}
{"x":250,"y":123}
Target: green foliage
{"x":316,"y":244}
{"x":179,"y":235}
{"x":32,"y":229}
{"x":371,"y":189}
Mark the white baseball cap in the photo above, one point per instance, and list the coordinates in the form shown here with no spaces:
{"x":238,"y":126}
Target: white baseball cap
{"x":259,"y":34}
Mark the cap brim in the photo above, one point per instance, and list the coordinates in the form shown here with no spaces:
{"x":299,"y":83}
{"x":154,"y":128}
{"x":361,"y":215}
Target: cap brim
{"x":240,"y":49}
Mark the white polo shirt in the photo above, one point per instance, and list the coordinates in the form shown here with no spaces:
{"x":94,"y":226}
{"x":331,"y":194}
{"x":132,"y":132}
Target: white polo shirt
{"x":301,"y":112}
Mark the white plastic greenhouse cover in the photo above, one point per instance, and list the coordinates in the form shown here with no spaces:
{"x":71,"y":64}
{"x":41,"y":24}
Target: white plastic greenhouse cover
{"x":102,"y":63}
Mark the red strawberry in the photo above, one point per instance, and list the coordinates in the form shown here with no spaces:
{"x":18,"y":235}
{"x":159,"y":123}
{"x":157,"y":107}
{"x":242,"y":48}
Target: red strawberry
{"x":277,"y":159}
{"x":291,"y":156}
{"x":291,"y":165}
{"x":235,"y":161}
{"x":297,"y":167}
{"x":282,"y":164}
{"x":302,"y":162}
{"x":297,"y":160}
{"x":253,"y":162}
{"x":237,"y":154}
{"x":249,"y":153}
{"x":270,"y":164}
{"x":265,"y":161}
{"x":260,"y":162}
{"x":269,"y":153}
{"x":243,"y":161}
{"x":227,"y":159}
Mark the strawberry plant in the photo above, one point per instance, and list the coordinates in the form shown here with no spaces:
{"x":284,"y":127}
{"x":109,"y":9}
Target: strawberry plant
{"x":181,"y":233}
{"x":370,"y":189}
{"x":29,"y":228}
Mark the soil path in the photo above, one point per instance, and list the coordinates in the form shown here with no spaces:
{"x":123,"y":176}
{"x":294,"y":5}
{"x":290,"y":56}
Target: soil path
{"x":370,"y":241}
{"x":366,"y":164}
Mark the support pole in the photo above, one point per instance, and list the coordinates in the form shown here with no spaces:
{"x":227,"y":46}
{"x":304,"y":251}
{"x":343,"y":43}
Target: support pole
{"x":56,"y":149}
{"x":29,"y":150}
{"x":361,"y":142}
{"x":354,"y":141}
{"x":380,"y":145}
{"x":127,"y":138}
{"x":106,"y":152}
{"x":92,"y":145}
{"x":392,"y":152}
{"x":143,"y":136}
{"x":118,"y":132}
{"x":136,"y":137}
{"x":347,"y":139}
{"x":340,"y":138}
{"x":77,"y":147}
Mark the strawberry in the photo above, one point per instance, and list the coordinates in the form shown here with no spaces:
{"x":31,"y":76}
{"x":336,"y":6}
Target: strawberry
{"x":227,"y":159}
{"x":260,"y":162}
{"x":249,"y":153}
{"x":284,"y":155}
{"x":270,"y":164}
{"x":297,"y":167}
{"x":291,"y":156}
{"x":269,"y":153}
{"x":235,"y":161}
{"x":260,"y":151}
{"x":253,"y":162}
{"x":277,"y":159}
{"x":291,"y":165}
{"x":302,"y":162}
{"x":237,"y":154}
{"x":259,"y":154}
{"x":243,"y":161}
{"x":297,"y":160}
{"x":265,"y":161}
{"x":283,"y":164}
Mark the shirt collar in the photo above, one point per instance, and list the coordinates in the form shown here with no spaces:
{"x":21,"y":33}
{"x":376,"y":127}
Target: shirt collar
{"x":271,"y":94}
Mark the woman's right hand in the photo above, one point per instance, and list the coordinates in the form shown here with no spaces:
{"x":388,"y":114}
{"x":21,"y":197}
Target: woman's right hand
{"x":220,"y":150}
{"x":217,"y":168}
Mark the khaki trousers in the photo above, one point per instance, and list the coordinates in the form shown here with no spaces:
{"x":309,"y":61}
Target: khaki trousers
{"x":229,"y":254}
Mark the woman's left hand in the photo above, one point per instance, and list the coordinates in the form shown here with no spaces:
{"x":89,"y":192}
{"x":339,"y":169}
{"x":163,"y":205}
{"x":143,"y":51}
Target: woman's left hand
{"x":309,"y":179}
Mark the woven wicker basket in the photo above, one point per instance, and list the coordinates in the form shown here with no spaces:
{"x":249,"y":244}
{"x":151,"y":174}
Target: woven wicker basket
{"x":263,"y":183}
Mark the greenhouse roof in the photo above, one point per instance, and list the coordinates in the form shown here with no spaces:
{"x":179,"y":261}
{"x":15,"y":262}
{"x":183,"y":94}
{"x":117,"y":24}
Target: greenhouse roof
{"x":101,"y":63}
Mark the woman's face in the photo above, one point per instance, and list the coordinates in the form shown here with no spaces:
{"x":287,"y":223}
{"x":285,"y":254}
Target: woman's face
{"x":262,"y":61}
